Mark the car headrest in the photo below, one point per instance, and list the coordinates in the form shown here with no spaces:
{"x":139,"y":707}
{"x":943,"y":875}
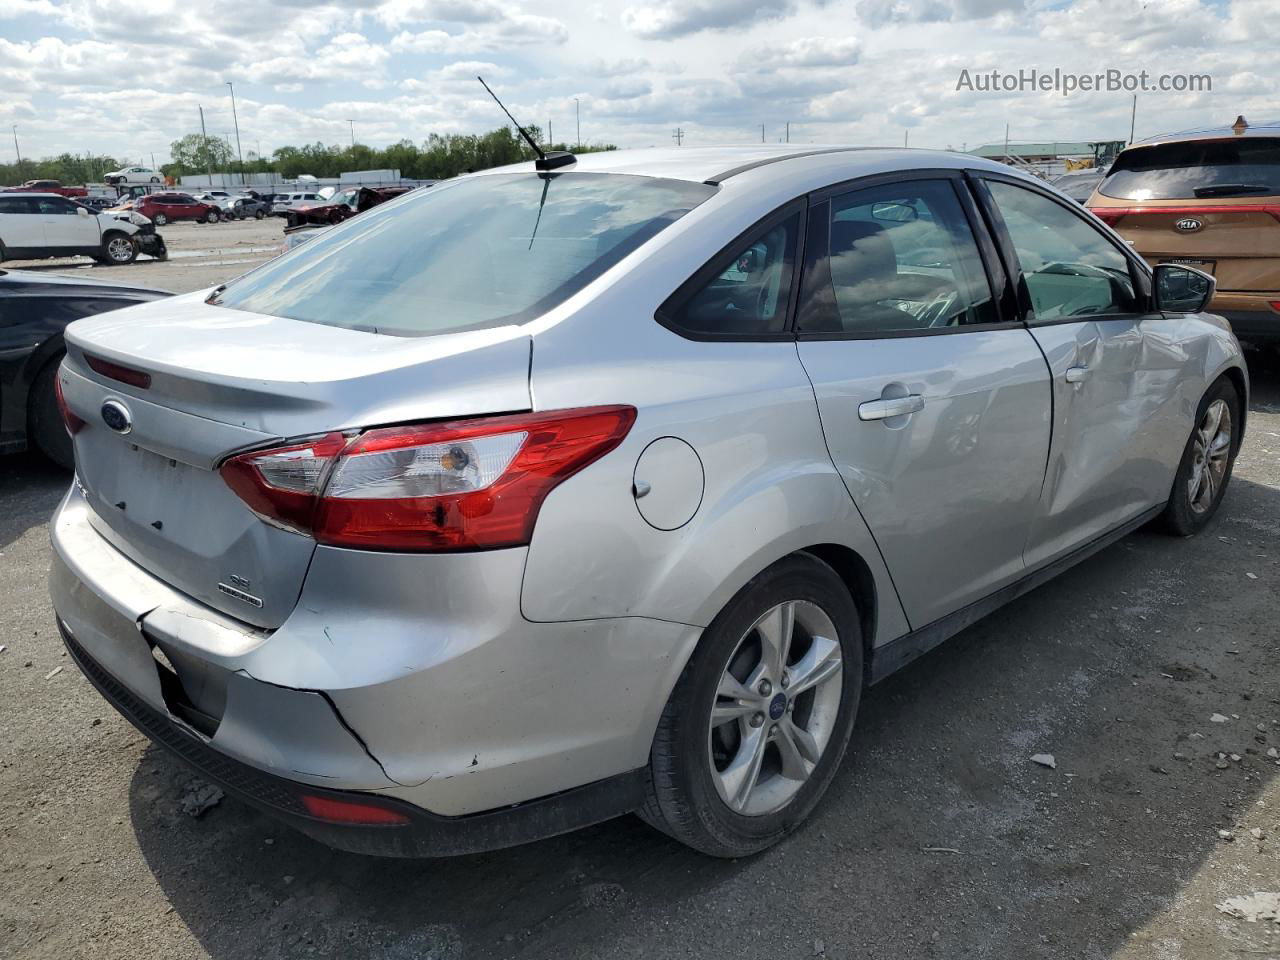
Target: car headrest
{"x":862,"y":254}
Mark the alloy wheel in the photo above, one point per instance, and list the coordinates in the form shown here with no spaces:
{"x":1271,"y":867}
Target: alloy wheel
{"x":119,"y":250}
{"x":1211,"y":453}
{"x":775,"y":709}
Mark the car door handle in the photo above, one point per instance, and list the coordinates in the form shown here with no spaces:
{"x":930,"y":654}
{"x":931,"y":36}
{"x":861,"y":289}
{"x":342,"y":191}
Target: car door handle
{"x":884,"y":409}
{"x":1077,"y":374}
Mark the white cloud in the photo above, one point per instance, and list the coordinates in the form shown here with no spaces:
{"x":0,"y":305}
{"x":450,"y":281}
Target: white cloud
{"x":675,"y":18}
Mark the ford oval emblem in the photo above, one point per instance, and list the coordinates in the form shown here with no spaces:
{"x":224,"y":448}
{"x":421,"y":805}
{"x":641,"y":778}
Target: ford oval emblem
{"x":1188,"y":225}
{"x":116,"y":416}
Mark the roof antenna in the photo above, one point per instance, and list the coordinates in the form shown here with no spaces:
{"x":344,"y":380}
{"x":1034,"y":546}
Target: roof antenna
{"x":545,"y":161}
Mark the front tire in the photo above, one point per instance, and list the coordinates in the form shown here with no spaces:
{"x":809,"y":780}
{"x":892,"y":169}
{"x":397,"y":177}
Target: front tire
{"x":1207,"y":461}
{"x":118,"y":250}
{"x":159,"y":219}
{"x":258,"y":215}
{"x":759,"y":721}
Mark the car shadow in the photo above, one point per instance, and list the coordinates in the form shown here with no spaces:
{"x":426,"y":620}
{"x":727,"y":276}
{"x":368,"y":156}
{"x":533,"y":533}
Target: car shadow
{"x":939,"y":838}
{"x":30,"y":488}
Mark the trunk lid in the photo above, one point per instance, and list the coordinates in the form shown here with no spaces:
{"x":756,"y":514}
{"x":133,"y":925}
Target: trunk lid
{"x":221,"y":381}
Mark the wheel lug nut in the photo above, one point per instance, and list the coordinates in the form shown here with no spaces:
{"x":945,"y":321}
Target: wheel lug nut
{"x":765,"y":688}
{"x":757,"y":719}
{"x":786,"y":680}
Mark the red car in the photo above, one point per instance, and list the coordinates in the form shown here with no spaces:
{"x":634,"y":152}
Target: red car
{"x":160,"y":208}
{"x":49,"y":186}
{"x":342,"y":205}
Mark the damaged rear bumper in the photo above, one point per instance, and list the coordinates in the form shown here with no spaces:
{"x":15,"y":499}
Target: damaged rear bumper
{"x":455,"y":715}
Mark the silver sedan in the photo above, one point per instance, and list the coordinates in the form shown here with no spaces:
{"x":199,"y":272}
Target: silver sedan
{"x":567,"y":490}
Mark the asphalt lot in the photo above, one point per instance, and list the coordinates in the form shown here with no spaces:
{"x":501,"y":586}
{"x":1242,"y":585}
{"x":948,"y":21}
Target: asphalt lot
{"x":939,"y":839}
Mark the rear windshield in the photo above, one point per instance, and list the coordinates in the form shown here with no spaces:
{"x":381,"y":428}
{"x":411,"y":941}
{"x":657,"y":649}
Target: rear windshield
{"x":1199,"y":169}
{"x":481,"y":251}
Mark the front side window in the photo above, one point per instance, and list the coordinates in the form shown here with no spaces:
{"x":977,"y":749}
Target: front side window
{"x":749,"y":290}
{"x":482,"y":251}
{"x":900,"y":257}
{"x":1070,"y":267}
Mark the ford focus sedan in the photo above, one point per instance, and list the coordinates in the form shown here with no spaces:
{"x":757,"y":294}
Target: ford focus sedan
{"x":549,"y":495}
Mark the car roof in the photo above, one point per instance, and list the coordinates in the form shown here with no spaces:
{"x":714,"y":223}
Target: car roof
{"x":1211,"y":133}
{"x":23,"y":281}
{"x":719,"y":163}
{"x":32,"y":193}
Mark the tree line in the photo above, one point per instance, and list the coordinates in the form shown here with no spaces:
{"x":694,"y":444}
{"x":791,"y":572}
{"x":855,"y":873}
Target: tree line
{"x":438,"y":157}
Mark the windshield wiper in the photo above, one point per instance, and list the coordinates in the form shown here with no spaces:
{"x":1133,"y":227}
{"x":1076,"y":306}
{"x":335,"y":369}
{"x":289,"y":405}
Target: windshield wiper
{"x":1232,"y":189}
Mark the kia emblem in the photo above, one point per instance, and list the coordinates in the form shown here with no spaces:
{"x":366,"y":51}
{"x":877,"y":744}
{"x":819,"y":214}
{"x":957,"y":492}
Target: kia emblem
{"x":1188,"y":225}
{"x":116,"y":416}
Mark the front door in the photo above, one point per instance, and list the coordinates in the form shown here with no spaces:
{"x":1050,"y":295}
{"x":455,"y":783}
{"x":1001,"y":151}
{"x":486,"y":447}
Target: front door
{"x":934,"y":402}
{"x":64,"y":227}
{"x":1115,"y":385}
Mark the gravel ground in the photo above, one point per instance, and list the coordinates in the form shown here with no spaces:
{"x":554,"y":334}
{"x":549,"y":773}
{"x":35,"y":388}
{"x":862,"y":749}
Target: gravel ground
{"x":939,"y":839}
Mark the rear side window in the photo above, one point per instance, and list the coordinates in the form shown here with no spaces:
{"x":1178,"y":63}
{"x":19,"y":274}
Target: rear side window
{"x":481,"y":251}
{"x":1070,"y":268}
{"x":748,"y":290}
{"x":1197,"y":169}
{"x":16,"y":205}
{"x":900,"y":257}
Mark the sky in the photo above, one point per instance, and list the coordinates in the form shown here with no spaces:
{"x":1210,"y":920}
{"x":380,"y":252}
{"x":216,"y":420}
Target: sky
{"x":126,"y":77}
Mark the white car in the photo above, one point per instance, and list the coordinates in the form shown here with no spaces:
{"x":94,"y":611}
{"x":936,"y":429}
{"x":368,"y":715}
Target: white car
{"x":135,"y":175}
{"x":279,"y":207}
{"x":37,"y":225}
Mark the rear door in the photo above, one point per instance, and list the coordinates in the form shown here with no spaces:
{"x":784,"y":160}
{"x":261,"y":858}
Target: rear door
{"x":21,"y":223}
{"x":1114,"y":380}
{"x":934,"y":399}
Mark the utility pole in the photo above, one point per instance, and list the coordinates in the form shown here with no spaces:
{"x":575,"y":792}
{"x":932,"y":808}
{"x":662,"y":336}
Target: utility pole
{"x":762,"y":133}
{"x":550,"y":138}
{"x":1133,"y":117}
{"x":236,"y":120}
{"x":353,"y":133}
{"x":577,"y":113}
{"x":1006,"y":140}
{"x":204,"y":142}
{"x":906,"y":135}
{"x":15,"y":147}
{"x":153,"y":160}
{"x":788,"y":131}
{"x":678,"y":137}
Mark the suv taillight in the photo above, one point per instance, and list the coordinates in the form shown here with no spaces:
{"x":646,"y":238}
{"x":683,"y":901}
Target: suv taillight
{"x":457,"y":485}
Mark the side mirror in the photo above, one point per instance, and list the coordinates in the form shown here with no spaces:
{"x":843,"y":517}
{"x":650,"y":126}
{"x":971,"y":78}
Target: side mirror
{"x":81,"y":212}
{"x":1180,"y":289}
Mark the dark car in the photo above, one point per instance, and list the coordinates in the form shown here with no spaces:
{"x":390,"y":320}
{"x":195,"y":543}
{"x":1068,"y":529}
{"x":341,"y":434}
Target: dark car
{"x":243,"y":207}
{"x":35,"y":308}
{"x":343,"y":205}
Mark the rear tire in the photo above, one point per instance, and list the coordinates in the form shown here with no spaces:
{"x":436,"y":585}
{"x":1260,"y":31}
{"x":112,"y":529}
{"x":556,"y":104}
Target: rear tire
{"x":258,"y":215}
{"x":159,"y":220}
{"x":696,"y":793}
{"x":1207,"y":461}
{"x":212,"y":217}
{"x":47,"y":431}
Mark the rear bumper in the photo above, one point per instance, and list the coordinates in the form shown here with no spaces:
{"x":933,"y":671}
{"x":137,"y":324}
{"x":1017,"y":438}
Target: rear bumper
{"x":412,"y":678}
{"x":421,"y":835}
{"x":1251,"y":315}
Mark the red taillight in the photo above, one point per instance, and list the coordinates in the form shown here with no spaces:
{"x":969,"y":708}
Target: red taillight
{"x":458,"y":485}
{"x":1274,"y":304}
{"x":134,"y":378}
{"x":349,"y":811}
{"x":73,"y":421}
